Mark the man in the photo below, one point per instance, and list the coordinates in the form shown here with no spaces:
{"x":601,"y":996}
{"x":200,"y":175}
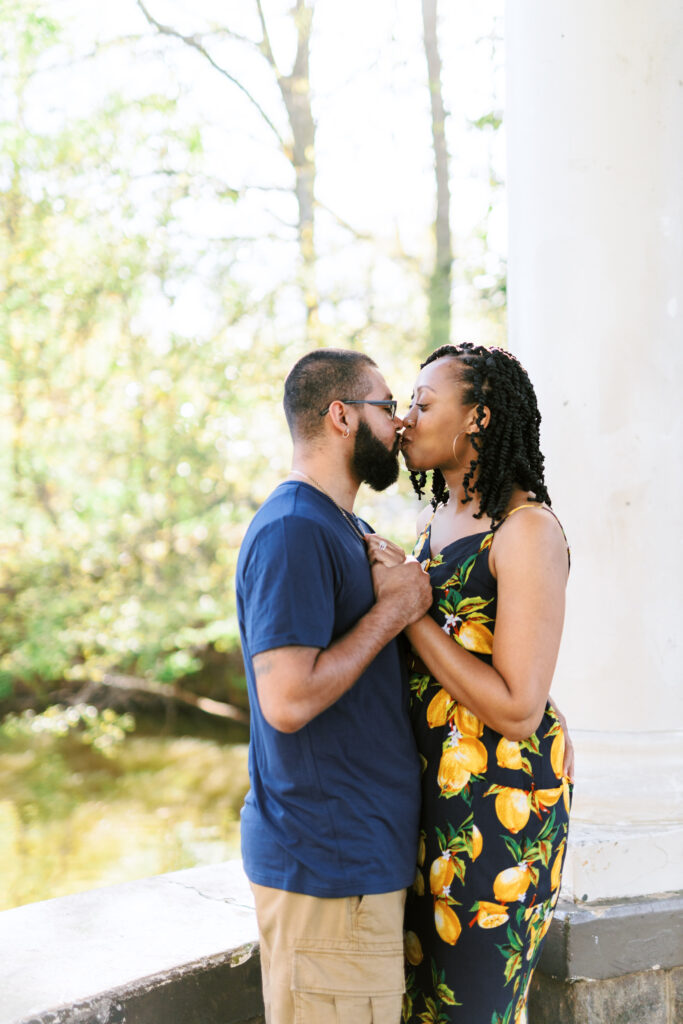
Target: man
{"x":329,"y":826}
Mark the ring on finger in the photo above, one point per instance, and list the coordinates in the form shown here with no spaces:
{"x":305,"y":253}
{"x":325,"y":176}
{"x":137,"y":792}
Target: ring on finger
{"x":383,"y":545}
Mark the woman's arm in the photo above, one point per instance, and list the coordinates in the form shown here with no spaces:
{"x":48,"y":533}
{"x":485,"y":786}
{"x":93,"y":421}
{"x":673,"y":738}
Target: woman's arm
{"x":529,"y":559}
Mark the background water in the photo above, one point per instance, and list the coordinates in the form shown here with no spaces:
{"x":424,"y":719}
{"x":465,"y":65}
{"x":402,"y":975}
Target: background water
{"x":76,"y":817}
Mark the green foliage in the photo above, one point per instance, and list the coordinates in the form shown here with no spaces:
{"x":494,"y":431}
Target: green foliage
{"x":101,"y":730}
{"x":121,"y":490}
{"x":141,"y":375}
{"x":492,"y":120}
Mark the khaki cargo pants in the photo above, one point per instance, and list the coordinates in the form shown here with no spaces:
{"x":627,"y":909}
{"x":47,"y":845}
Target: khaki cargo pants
{"x":331,"y":961}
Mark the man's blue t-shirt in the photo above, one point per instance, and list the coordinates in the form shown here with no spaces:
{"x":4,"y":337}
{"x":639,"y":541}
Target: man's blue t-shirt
{"x":333,"y":808}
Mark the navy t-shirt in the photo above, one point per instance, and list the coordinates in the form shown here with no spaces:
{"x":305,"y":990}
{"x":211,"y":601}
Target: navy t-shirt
{"x":333,"y":808}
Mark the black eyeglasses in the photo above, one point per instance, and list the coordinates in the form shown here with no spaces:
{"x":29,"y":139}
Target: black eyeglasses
{"x":390,"y":404}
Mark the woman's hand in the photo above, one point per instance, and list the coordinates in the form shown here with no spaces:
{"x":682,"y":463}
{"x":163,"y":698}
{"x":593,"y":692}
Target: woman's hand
{"x":383,"y":552}
{"x":568,"y":766}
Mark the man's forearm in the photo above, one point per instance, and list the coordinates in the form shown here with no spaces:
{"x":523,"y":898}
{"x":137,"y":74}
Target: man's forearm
{"x":295,"y":684}
{"x":337,"y":668}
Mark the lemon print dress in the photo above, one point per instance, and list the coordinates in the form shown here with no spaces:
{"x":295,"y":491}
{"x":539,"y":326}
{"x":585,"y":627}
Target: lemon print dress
{"x":493,"y":832}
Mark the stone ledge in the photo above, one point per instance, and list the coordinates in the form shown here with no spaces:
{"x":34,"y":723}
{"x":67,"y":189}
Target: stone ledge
{"x":216,"y":992}
{"x":648,"y":997}
{"x":180,"y":947}
{"x":614,"y":939}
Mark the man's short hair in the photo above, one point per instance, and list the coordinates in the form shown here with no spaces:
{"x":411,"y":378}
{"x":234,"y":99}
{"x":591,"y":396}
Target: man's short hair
{"x":321,"y":377}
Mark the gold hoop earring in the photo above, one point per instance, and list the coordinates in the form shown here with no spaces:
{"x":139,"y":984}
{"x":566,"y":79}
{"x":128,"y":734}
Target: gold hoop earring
{"x":455,"y":441}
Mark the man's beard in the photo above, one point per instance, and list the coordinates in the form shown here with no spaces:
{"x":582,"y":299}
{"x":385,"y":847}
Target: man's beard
{"x":372,"y":462}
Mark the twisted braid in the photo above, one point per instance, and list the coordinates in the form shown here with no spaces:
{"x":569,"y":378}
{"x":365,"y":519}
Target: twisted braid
{"x":507,"y":452}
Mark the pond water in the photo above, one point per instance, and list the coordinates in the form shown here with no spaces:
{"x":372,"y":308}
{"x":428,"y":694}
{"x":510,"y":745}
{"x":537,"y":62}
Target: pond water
{"x":76,"y":816}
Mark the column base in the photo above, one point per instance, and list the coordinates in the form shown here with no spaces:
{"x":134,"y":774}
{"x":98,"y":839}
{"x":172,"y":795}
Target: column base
{"x":650,"y":997}
{"x":621,"y":861}
{"x":612,"y":962}
{"x":626,"y":828}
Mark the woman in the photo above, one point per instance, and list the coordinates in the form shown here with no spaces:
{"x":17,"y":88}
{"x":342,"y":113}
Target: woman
{"x":495,"y":798}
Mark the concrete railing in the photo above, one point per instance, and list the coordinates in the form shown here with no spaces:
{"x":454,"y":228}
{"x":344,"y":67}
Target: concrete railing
{"x":183,"y":949}
{"x":175,"y":949}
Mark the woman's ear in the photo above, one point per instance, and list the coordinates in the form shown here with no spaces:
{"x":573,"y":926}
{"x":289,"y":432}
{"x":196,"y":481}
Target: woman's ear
{"x":472,"y":426}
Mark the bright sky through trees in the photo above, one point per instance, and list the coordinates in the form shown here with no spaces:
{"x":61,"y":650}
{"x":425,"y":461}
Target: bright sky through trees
{"x":373,"y":146}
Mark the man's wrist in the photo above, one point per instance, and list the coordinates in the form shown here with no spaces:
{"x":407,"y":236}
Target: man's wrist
{"x":388,"y":616}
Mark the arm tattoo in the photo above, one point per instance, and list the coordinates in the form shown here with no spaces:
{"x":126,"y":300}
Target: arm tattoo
{"x":267,"y":661}
{"x":263,"y":664}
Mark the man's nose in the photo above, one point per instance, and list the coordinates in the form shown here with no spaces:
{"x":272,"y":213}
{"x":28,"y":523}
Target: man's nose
{"x":398,"y":422}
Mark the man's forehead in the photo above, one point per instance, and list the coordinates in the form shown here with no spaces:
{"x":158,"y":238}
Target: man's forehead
{"x":380,"y":388}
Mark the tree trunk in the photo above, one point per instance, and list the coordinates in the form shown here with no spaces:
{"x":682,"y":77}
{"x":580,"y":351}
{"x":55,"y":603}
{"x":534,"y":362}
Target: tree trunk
{"x":296,"y":94}
{"x":440,"y":280}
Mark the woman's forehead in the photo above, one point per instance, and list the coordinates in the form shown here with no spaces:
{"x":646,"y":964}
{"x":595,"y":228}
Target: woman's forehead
{"x":439,"y":374}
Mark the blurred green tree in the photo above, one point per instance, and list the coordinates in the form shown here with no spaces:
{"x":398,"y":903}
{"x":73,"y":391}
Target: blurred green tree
{"x":143,"y":345}
{"x":123,"y":456}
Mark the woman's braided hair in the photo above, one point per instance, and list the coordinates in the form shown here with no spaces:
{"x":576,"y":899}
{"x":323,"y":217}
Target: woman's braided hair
{"x":507,"y":450}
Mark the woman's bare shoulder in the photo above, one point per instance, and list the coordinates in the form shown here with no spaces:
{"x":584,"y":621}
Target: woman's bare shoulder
{"x":526,"y":532}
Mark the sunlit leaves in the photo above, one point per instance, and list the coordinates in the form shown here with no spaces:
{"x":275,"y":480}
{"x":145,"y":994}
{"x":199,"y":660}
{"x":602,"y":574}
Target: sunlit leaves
{"x":118,"y":507}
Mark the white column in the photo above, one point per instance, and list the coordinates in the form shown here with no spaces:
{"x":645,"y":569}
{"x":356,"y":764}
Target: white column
{"x":595,"y":171}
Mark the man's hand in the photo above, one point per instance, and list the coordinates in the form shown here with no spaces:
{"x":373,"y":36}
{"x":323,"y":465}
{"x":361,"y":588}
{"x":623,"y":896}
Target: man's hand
{"x":405,"y":590}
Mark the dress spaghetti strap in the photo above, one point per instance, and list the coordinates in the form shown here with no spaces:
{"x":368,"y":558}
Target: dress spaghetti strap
{"x":544,"y":508}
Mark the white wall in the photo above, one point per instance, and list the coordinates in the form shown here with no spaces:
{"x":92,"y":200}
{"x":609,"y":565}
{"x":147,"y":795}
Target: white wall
{"x":595,"y":171}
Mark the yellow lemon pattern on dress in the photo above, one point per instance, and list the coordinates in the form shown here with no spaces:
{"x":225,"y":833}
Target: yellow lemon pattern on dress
{"x":494,"y":825}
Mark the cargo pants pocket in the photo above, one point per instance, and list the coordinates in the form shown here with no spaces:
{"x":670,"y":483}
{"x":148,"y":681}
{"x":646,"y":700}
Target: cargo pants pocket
{"x":343,"y":986}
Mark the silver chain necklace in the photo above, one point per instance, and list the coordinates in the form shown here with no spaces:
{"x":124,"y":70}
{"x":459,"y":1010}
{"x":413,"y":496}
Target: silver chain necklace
{"x":347,"y":516}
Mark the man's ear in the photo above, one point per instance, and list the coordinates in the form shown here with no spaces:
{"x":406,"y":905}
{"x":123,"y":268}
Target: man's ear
{"x":337,"y":414}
